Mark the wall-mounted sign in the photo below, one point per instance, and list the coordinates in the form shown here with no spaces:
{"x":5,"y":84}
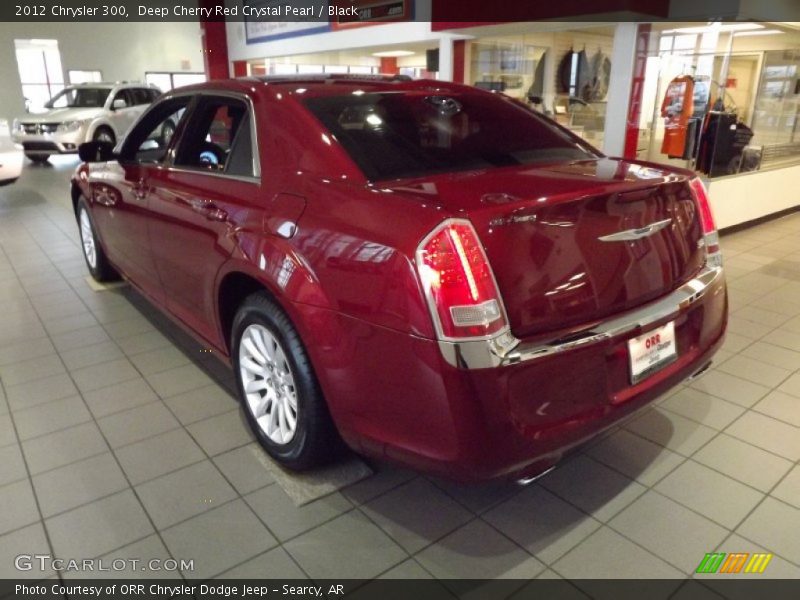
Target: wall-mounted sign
{"x":262,"y":24}
{"x":370,"y":12}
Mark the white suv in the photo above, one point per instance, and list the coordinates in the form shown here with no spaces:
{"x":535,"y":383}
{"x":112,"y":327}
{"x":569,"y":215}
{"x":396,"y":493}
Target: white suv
{"x":82,"y":113}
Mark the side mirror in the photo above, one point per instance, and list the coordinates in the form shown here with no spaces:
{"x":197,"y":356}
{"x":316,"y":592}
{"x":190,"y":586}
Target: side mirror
{"x":93,"y":152}
{"x":119,"y":103}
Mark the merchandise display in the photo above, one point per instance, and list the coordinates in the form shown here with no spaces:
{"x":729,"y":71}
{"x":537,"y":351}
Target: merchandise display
{"x":676,"y":108}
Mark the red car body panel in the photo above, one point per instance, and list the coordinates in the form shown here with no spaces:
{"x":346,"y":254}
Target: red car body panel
{"x":347,"y":279}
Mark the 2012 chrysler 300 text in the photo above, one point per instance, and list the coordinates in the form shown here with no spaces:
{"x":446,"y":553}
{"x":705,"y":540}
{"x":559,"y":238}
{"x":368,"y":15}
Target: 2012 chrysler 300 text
{"x":432,"y":273}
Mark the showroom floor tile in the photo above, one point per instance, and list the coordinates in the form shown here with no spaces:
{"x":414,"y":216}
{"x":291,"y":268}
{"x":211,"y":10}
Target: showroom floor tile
{"x":119,"y":438}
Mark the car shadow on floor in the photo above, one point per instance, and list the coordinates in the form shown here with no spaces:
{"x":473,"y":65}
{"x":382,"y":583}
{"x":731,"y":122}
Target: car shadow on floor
{"x":209,"y":361}
{"x":429,"y":516}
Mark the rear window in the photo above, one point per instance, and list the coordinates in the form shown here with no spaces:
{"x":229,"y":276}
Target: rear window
{"x":393,"y":135}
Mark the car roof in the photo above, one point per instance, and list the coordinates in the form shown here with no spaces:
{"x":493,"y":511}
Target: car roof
{"x":108,"y":85}
{"x":325,"y":85}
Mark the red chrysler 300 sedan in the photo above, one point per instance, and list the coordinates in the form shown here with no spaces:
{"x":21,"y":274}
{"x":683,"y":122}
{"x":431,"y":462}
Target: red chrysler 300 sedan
{"x":432,"y":273}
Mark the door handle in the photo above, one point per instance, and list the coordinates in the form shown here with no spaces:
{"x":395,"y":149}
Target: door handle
{"x":209,"y":210}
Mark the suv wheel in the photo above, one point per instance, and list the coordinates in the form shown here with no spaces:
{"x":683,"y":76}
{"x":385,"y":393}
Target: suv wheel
{"x":280,"y":393}
{"x":38,"y":158}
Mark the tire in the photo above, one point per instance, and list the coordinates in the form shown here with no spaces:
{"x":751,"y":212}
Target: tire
{"x":104,"y":134}
{"x":93,"y":253}
{"x":261,"y":325}
{"x":38,"y":158}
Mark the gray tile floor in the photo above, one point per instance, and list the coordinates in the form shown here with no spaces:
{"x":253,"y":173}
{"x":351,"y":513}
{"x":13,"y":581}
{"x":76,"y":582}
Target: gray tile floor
{"x":119,"y":438}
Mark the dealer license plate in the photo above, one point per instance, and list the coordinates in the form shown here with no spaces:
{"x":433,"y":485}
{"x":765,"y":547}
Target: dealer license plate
{"x":652,"y":351}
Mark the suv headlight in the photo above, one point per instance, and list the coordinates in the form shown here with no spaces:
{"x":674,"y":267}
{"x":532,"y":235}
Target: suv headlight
{"x":68,"y":126}
{"x":16,"y":126}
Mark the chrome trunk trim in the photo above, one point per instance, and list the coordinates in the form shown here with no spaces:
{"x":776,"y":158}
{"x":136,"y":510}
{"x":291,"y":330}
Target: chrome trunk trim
{"x":505,"y":349}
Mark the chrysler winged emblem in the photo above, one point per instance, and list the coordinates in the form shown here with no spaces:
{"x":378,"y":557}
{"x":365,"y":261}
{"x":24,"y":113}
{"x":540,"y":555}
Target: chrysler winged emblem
{"x":635,"y":234}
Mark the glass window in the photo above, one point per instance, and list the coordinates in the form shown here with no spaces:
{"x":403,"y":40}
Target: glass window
{"x":39,"y":64}
{"x":85,"y":76}
{"x":124,"y":97}
{"x":162,"y":81}
{"x":395,"y":135}
{"x":141,"y":96}
{"x":209,"y":139}
{"x":167,"y":81}
{"x":80,"y":97}
{"x":149,"y":140}
{"x":776,"y":114}
{"x":240,"y":161}
{"x":181,"y":79}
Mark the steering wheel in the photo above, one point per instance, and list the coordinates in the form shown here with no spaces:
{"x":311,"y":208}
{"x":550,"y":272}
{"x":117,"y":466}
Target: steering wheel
{"x":212,"y":155}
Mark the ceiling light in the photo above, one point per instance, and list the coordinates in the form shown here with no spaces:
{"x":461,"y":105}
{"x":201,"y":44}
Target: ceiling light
{"x":393,"y":53}
{"x":764,"y":32}
{"x":721,"y":28}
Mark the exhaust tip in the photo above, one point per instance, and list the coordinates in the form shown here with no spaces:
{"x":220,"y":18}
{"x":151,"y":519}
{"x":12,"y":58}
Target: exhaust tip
{"x":698,"y":373}
{"x":529,"y":480}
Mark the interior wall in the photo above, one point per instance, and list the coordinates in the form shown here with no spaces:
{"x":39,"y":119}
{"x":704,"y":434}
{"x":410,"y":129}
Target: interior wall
{"x":122,"y":51}
{"x":741,"y":198}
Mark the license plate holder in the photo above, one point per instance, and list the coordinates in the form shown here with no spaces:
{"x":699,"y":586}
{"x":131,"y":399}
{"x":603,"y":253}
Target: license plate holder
{"x":652,"y":351}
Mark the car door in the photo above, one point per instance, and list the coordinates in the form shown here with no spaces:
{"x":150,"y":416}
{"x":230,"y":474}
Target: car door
{"x":141,"y":100}
{"x":123,"y":117}
{"x":121,"y":190}
{"x":208,"y":193}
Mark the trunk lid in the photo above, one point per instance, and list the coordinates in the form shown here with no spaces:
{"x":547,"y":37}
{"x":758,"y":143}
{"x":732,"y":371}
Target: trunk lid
{"x":576,"y":242}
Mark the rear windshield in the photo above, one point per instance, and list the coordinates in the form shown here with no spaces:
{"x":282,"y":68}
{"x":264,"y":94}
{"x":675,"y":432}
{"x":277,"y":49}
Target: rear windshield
{"x":393,"y":135}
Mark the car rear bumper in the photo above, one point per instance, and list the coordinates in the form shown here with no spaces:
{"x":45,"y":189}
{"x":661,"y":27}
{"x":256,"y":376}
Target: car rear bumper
{"x":401,"y":398}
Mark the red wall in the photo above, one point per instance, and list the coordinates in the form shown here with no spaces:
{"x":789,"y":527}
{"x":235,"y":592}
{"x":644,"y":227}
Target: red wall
{"x":389,"y":65}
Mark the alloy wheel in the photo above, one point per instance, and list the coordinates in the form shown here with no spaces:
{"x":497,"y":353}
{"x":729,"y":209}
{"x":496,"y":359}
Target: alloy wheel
{"x":268,"y":383}
{"x":87,"y":238}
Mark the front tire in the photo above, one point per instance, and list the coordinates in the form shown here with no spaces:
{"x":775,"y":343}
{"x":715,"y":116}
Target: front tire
{"x":93,"y":253}
{"x":38,"y":158}
{"x":104,"y":134}
{"x":280,"y":393}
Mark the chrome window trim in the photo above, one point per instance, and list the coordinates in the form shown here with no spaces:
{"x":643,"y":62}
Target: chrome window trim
{"x":505,"y":349}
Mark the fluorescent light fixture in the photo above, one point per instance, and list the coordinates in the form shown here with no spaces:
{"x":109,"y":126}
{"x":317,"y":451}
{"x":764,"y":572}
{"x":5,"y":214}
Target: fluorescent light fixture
{"x":726,"y":27}
{"x":763,"y":32}
{"x":393,"y":53}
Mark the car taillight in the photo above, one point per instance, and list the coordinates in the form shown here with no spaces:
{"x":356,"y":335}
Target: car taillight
{"x":711,"y":237}
{"x":459,"y":283}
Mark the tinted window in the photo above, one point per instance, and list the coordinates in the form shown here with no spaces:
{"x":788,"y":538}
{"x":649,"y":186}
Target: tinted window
{"x":240,"y":161}
{"x":150,"y":139}
{"x":122,"y":95}
{"x":407,"y":134}
{"x":140,"y":96}
{"x":79,"y":98}
{"x":210,"y":136}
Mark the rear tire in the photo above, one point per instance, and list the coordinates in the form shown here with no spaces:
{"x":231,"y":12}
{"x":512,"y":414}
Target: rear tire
{"x":93,"y":253}
{"x":280,"y":393}
{"x":38,"y":158}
